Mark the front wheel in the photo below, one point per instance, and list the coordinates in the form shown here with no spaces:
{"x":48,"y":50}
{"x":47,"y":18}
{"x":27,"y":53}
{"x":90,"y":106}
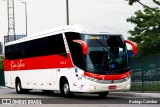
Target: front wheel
{"x":103,"y":94}
{"x":65,"y":90}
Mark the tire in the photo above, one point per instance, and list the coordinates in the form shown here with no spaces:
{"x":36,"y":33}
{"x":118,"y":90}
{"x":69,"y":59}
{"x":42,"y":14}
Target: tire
{"x":65,"y":90}
{"x":103,"y":94}
{"x":19,"y":89}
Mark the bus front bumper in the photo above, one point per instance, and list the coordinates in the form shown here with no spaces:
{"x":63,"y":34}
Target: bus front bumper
{"x":104,"y":86}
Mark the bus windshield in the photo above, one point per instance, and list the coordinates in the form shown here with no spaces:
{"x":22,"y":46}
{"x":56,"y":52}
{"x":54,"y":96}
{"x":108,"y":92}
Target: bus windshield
{"x":107,"y":53}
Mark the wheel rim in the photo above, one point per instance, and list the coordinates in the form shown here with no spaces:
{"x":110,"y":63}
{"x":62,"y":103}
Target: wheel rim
{"x":66,"y":88}
{"x":18,"y":86}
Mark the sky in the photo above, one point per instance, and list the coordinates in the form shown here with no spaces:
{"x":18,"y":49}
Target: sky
{"x":47,"y":14}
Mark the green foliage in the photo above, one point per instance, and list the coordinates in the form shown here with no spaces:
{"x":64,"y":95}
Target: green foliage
{"x":147,"y":86}
{"x":146,"y":32}
{"x":1,"y":63}
{"x":131,"y":2}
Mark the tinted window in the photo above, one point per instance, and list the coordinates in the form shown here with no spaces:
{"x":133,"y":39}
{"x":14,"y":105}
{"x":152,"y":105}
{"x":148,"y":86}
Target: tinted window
{"x":38,"y":47}
{"x":75,"y":49}
{"x":8,"y":52}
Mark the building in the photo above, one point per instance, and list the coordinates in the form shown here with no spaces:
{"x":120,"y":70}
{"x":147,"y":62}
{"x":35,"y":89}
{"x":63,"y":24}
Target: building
{"x":1,"y":48}
{"x":11,"y":38}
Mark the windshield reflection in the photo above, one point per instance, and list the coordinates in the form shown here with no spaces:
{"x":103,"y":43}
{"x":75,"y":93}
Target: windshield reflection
{"x":106,"y":53}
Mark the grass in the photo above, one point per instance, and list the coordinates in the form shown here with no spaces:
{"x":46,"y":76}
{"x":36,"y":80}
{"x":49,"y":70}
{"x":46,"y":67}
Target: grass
{"x":146,"y":86}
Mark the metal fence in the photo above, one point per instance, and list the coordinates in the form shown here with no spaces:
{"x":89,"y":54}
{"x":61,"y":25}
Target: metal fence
{"x":145,"y":73}
{"x":2,"y":83}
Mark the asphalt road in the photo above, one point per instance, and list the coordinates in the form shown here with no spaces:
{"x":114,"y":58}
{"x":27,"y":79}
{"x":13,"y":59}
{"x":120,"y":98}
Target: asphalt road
{"x":79,"y":100}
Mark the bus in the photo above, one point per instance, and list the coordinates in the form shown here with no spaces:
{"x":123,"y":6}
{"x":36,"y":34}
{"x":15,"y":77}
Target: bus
{"x":70,"y":59}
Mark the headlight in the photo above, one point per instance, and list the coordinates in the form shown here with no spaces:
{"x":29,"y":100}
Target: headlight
{"x":89,"y":78}
{"x":93,"y":87}
{"x":127,"y":78}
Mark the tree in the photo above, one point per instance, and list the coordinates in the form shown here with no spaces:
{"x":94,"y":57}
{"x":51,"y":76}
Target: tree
{"x":146,"y":32}
{"x":1,"y":63}
{"x":1,"y":47}
{"x":131,"y":2}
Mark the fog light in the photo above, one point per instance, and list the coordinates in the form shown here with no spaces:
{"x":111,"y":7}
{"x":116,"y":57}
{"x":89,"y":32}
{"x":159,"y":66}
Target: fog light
{"x":93,"y":87}
{"x":128,"y":86}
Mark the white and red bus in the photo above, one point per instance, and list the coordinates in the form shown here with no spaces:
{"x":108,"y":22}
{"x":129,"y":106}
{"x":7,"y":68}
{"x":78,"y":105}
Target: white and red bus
{"x":74,"y":58}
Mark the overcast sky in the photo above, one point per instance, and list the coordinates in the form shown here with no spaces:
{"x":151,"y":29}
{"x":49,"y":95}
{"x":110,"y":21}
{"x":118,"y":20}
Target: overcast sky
{"x":47,"y":14}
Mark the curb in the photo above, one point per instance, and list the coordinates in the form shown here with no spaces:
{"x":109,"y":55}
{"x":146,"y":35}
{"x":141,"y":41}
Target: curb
{"x":148,"y":95}
{"x":127,"y":94}
{"x":2,"y":87}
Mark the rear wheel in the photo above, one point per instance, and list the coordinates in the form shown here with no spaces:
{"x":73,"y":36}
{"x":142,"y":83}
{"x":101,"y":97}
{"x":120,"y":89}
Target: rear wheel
{"x":103,"y":94}
{"x":65,"y":90}
{"x":19,"y":89}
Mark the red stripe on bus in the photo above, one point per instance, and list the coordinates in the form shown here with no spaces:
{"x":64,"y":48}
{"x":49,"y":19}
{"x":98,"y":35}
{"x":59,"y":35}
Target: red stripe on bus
{"x":108,"y":77}
{"x":42,"y":62}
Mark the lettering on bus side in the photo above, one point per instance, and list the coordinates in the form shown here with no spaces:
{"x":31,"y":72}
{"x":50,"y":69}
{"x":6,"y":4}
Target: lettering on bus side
{"x":17,"y":65}
{"x":63,"y":62}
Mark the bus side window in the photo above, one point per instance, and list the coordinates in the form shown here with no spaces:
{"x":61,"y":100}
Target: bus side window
{"x":75,"y":49}
{"x":8,"y":53}
{"x":50,"y":45}
{"x":15,"y":51}
{"x":56,"y":45}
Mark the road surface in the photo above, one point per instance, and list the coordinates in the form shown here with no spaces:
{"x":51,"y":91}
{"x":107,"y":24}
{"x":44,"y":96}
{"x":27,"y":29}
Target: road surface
{"x":79,"y":100}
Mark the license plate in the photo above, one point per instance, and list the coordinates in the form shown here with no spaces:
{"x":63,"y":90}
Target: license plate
{"x":112,"y":87}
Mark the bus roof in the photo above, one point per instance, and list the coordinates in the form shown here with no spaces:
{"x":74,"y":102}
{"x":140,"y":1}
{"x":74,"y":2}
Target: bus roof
{"x":68,"y":28}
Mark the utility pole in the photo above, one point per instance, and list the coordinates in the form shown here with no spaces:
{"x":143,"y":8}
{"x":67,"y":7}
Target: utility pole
{"x":11,"y":20}
{"x":67,"y":12}
{"x":25,"y":3}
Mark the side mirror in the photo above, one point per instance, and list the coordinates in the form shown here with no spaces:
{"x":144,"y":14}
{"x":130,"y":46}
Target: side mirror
{"x":134,"y":46}
{"x":84,"y":46}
